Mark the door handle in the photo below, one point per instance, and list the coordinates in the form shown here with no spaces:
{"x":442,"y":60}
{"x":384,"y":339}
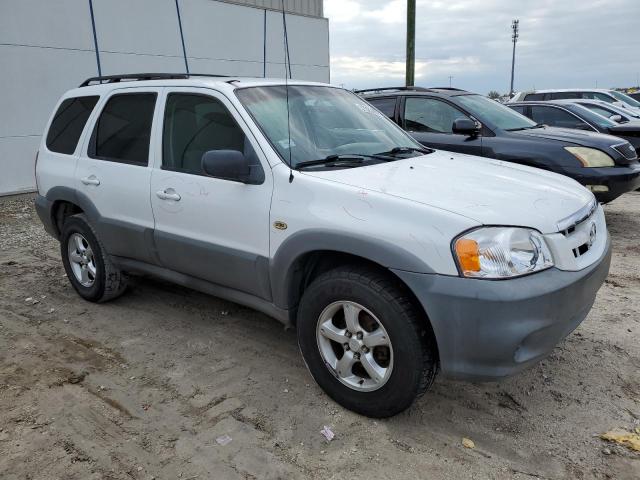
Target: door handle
{"x":91,"y":180}
{"x":168,"y":194}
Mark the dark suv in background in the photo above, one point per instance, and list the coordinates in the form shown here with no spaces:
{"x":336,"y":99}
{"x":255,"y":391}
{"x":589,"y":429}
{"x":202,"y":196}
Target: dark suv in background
{"x":567,"y":114}
{"x":460,"y":121}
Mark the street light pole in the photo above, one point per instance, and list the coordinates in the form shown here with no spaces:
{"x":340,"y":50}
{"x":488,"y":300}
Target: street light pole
{"x":411,"y":43}
{"x":515,"y":25}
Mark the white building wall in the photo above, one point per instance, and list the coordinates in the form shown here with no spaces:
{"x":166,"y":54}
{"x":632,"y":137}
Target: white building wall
{"x":47,"y":47}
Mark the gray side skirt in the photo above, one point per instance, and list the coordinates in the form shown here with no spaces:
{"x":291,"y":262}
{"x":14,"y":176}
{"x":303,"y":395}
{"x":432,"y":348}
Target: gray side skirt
{"x":203,"y":286}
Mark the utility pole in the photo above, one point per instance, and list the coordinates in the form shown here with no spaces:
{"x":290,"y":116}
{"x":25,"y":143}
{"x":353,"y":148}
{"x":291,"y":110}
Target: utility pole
{"x":515,"y":25}
{"x":450,"y":78}
{"x":411,"y":43}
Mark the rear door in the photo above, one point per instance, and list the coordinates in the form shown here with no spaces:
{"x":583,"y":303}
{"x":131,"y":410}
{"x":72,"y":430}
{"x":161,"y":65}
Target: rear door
{"x":430,"y":121}
{"x":209,"y":228}
{"x":113,"y":172}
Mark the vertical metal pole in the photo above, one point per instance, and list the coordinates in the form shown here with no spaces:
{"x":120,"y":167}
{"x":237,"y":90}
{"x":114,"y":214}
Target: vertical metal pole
{"x":95,"y":37}
{"x":514,"y":38}
{"x":411,"y":43}
{"x":184,"y":49}
{"x":264,"y":46}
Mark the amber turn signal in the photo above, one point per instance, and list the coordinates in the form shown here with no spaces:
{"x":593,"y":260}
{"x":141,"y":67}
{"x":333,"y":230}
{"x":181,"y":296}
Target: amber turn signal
{"x":468,"y":255}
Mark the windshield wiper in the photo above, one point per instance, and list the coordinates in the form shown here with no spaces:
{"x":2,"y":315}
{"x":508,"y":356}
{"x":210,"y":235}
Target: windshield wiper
{"x":346,"y":160}
{"x":403,"y":150}
{"x":537,"y":125}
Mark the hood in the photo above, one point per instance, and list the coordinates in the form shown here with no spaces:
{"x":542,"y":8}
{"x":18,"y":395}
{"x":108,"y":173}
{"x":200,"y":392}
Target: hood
{"x":490,"y":192}
{"x":567,"y":135}
{"x":630,"y":128}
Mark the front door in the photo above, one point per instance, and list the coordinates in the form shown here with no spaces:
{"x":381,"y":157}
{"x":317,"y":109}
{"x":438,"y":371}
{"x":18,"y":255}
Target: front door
{"x":209,"y":228}
{"x":430,"y":122}
{"x":113,"y":172}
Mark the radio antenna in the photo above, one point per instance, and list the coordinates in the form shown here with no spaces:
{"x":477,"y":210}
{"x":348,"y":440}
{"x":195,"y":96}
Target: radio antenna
{"x":287,"y":74}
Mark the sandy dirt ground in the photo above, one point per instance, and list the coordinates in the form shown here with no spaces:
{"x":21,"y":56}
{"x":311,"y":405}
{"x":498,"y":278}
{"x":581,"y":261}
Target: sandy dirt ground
{"x":142,"y":387}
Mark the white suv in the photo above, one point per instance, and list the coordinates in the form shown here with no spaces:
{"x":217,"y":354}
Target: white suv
{"x":306,"y":203}
{"x":612,"y":97}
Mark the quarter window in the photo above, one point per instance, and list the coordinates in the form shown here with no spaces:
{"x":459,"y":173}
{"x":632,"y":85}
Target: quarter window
{"x":68,"y":123}
{"x":193,"y":125}
{"x":556,"y":117}
{"x":123,"y":131}
{"x":430,"y":115}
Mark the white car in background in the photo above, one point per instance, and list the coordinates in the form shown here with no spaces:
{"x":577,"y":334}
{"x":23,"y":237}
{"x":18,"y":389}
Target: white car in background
{"x":606,"y":95}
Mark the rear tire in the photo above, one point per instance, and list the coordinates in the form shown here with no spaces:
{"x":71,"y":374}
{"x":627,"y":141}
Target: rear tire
{"x":365,"y":342}
{"x":86,"y":263}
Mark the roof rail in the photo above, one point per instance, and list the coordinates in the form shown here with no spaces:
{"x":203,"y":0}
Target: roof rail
{"x":385,"y":89}
{"x":453,"y":89}
{"x":144,"y":76}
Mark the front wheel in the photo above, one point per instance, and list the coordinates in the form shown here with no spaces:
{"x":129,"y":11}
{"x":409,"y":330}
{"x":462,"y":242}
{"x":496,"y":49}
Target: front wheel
{"x":365,"y":342}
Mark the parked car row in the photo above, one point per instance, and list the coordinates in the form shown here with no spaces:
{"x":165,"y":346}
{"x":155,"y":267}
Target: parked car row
{"x":459,"y":121}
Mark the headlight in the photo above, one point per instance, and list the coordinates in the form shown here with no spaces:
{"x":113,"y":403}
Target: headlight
{"x":501,"y":252}
{"x":591,"y":157}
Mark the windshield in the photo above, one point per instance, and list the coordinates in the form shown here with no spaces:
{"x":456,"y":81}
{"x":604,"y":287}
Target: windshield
{"x":324,"y":122}
{"x":625,"y":98}
{"x":490,"y":111}
{"x":593,"y":117}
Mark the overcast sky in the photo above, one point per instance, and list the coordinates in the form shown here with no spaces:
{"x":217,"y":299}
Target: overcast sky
{"x":563,"y":43}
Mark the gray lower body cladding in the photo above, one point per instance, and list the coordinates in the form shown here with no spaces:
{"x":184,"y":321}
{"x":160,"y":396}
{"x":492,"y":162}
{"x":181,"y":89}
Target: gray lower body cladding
{"x":487,"y":330}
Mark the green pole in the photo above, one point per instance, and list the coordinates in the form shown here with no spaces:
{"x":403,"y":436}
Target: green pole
{"x":411,"y":43}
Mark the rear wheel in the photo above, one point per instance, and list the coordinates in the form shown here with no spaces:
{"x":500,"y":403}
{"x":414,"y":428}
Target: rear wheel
{"x":365,"y":342}
{"x":88,"y":267}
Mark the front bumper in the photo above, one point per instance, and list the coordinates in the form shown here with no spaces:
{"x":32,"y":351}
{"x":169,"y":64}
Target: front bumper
{"x":618,"y":180}
{"x":486,"y":330}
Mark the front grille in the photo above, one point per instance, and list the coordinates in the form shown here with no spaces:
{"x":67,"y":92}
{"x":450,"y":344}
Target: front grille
{"x":627,"y":151}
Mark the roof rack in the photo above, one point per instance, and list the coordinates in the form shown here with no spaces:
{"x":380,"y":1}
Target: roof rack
{"x":386,"y":89}
{"x":453,"y":89}
{"x":144,"y":76}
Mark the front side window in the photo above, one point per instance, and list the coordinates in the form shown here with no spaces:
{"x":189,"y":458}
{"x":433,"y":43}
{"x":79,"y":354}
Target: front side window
{"x":430,"y":115}
{"x":320,"y":122}
{"x":385,"y":105}
{"x":556,"y":117}
{"x":123,"y":131}
{"x":533,"y":97}
{"x":193,"y":125}
{"x":518,"y":108}
{"x":494,"y":113}
{"x":68,"y":123}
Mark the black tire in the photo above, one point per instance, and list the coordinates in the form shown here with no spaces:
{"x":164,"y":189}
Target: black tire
{"x":109,"y":281}
{"x":414,"y":349}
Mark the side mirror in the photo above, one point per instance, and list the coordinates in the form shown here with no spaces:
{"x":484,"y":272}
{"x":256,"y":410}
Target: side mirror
{"x":231,"y":165}
{"x":616,"y":118}
{"x":465,"y":126}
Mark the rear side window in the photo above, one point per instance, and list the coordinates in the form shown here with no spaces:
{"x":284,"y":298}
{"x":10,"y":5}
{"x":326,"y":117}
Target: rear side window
{"x":123,"y":131}
{"x":193,"y":125}
{"x":566,"y":95}
{"x":534,"y":96}
{"x":385,"y":105}
{"x":68,"y":123}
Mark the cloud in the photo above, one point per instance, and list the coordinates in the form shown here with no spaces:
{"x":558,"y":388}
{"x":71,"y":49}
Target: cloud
{"x":562,"y":44}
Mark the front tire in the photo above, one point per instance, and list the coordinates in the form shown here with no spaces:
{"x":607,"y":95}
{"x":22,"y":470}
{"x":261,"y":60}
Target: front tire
{"x":86,"y":263}
{"x":365,"y":342}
